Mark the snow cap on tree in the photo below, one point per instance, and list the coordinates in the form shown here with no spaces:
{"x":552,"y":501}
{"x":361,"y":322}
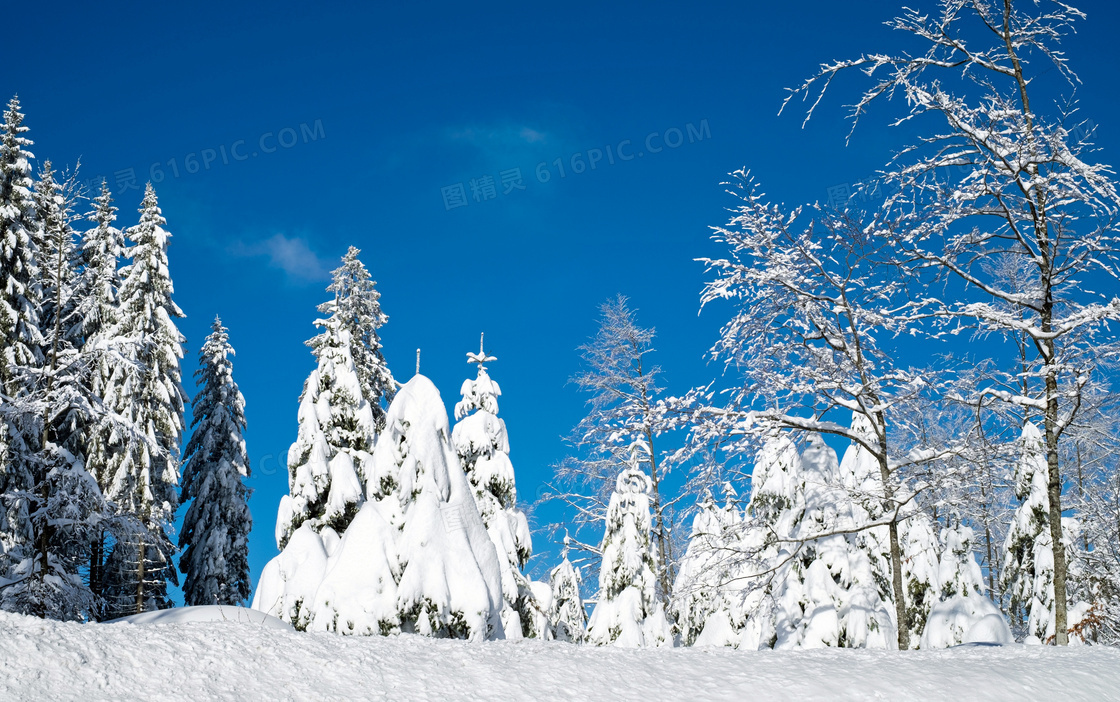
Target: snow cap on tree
{"x":357,"y":308}
{"x":450,"y":582}
{"x":328,"y":461}
{"x":482,"y":444}
{"x":629,"y":612}
{"x":566,"y":611}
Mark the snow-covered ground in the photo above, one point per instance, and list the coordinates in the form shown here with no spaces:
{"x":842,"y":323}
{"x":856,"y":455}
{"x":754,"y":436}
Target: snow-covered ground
{"x":228,"y":659}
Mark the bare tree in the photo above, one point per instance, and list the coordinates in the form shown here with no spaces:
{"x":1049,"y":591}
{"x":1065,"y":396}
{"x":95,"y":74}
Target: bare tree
{"x":998,"y":177}
{"x":624,"y":412}
{"x":817,"y":305}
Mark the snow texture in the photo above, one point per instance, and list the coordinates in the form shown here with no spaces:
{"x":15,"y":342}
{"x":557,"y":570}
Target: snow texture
{"x":205,"y":614}
{"x":45,"y":660}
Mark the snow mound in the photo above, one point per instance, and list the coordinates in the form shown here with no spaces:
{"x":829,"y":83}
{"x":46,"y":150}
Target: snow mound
{"x":958,"y":620}
{"x":205,"y":614}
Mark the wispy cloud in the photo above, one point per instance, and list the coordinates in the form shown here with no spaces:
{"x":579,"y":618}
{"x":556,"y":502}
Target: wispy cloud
{"x":292,"y":255}
{"x":499,"y":138}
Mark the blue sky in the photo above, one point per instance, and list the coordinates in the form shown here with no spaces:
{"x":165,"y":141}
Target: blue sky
{"x":281,"y":133}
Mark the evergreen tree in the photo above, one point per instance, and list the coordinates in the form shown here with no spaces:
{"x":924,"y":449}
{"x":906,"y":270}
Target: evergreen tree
{"x":920,"y":571}
{"x":827,"y":589}
{"x":67,"y":506}
{"x":20,"y":351}
{"x":707,"y":592}
{"x":327,"y":464}
{"x":20,"y":295}
{"x":1029,"y":522}
{"x":215,"y":531}
{"x":1028,"y":553}
{"x":99,"y":279}
{"x":482,"y":443}
{"x":96,"y":314}
{"x":629,"y":612}
{"x":357,"y":307}
{"x":450,"y":582}
{"x":145,"y":387}
{"x":566,"y":613}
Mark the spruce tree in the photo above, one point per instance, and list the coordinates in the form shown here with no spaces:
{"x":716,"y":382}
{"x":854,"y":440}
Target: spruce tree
{"x":327,"y":464}
{"x":145,"y":387}
{"x":20,"y":342}
{"x":1028,"y":552}
{"x":357,"y":307}
{"x":629,"y":612}
{"x":707,"y":592}
{"x":20,"y":296}
{"x":482,"y":443}
{"x":215,"y":531}
{"x":67,"y":506}
{"x":96,"y":314}
{"x":566,"y":613}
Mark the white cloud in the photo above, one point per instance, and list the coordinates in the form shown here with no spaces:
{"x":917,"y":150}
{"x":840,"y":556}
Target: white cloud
{"x":291,"y":255}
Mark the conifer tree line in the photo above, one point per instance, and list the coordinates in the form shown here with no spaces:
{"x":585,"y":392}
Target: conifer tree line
{"x":92,"y":410}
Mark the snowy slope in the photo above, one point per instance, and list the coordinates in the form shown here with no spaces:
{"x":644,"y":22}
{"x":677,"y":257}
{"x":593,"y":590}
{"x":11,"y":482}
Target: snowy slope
{"x":46,"y":660}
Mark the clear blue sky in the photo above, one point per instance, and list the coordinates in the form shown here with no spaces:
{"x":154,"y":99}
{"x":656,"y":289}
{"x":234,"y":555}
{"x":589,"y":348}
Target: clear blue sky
{"x":399,"y":102}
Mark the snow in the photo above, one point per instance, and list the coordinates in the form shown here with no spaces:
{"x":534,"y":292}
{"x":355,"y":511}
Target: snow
{"x":46,"y":660}
{"x":202,"y":614}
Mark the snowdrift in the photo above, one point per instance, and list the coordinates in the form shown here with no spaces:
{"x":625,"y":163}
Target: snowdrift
{"x":205,"y":614}
{"x":47,"y":660}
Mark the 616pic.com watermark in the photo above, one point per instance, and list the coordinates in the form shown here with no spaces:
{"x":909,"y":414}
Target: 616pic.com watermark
{"x":485,"y":187}
{"x":205,"y":159}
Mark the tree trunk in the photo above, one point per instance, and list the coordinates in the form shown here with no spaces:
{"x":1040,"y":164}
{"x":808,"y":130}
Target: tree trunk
{"x":896,"y":559}
{"x":663,"y":546}
{"x":1054,"y":493}
{"x":140,"y":575}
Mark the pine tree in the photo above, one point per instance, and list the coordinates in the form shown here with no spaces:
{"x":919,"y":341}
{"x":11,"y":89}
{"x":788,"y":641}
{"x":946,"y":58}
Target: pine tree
{"x":629,"y":612}
{"x":827,"y":589}
{"x":707,"y":593}
{"x":142,"y":470}
{"x":327,"y":464}
{"x":1028,"y":553}
{"x":357,"y":307}
{"x":20,"y":352}
{"x":450,"y":581}
{"x":920,"y":571}
{"x":96,"y":314}
{"x":67,"y":506}
{"x":19,"y":287}
{"x":566,"y":613}
{"x":482,"y":443}
{"x":215,"y":531}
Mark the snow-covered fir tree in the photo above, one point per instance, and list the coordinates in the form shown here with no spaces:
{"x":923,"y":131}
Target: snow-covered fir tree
{"x":215,"y":531}
{"x":327,"y":464}
{"x":20,"y":296}
{"x":826,"y":589}
{"x":96,"y":314}
{"x":20,"y":342}
{"x":450,"y":583}
{"x":1028,"y":554}
{"x":142,"y":471}
{"x":707,"y":594}
{"x":481,"y":441}
{"x":920,"y":570}
{"x":67,"y":505}
{"x":962,"y":614}
{"x":415,"y":558}
{"x":629,"y":612}
{"x":566,"y":612}
{"x":357,"y":307}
